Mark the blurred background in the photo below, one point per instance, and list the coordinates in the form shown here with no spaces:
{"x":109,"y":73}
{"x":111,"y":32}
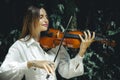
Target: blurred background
{"x":102,"y":16}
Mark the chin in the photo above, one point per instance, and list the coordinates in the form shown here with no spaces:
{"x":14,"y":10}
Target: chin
{"x":45,"y":29}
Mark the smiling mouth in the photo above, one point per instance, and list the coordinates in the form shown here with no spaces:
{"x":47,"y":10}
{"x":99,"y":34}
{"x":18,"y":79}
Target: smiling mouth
{"x":45,"y":25}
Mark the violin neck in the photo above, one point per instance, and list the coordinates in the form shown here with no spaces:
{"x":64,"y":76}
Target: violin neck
{"x":72,"y":36}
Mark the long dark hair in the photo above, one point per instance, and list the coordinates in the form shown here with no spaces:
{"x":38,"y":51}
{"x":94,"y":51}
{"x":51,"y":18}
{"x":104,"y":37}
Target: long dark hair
{"x":31,"y":19}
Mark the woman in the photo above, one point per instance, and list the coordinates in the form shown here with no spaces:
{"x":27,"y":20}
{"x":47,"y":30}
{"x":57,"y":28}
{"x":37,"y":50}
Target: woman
{"x":26,"y":57}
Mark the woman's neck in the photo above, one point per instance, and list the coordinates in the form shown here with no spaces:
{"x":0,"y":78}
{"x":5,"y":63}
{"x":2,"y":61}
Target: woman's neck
{"x":37,"y":38}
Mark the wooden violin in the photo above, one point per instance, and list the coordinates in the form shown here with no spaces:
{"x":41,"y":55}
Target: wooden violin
{"x":71,"y":39}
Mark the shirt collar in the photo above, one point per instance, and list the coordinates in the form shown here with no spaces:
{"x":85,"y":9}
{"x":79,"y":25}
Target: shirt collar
{"x":30,"y":41}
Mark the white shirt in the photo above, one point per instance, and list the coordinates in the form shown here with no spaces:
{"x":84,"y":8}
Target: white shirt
{"x":14,"y":67}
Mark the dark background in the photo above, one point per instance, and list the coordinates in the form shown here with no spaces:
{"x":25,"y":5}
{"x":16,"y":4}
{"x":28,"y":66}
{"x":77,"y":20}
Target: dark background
{"x":12,"y":11}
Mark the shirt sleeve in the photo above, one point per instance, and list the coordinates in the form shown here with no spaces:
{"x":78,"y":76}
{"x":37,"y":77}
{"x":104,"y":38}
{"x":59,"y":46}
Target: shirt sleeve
{"x":13,"y":68}
{"x":69,"y":68}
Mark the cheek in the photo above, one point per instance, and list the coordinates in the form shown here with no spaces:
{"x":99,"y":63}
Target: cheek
{"x":39,"y":25}
{"x":40,"y":21}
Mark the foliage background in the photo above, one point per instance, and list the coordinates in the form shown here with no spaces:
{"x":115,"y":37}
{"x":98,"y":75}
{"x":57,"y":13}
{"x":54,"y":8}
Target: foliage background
{"x":102,"y":16}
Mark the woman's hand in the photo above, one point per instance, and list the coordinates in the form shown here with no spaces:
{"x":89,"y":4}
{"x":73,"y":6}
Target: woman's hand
{"x":86,"y":41}
{"x":47,"y":65}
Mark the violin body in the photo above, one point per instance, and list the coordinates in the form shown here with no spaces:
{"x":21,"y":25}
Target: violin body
{"x":55,"y":39}
{"x":71,"y":39}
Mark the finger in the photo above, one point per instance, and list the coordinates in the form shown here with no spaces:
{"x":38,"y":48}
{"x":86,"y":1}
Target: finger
{"x":85,"y":35}
{"x":53,"y":68}
{"x":50,"y":68}
{"x":93,"y":36}
{"x":46,"y":69}
{"x":51,"y":64}
{"x":81,"y":38}
{"x":89,"y":34}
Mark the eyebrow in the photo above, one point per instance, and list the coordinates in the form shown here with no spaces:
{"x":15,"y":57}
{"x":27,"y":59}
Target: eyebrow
{"x":43,"y":15}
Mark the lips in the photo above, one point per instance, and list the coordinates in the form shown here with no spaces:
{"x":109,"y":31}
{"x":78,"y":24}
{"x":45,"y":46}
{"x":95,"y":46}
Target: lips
{"x":45,"y":25}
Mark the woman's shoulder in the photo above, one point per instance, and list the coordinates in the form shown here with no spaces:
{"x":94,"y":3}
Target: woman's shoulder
{"x":18,"y":43}
{"x":56,"y":49}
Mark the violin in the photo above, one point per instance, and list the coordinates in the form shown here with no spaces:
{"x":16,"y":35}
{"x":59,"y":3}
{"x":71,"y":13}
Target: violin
{"x":71,"y":39}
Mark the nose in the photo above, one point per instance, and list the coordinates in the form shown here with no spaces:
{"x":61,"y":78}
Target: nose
{"x":46,"y":20}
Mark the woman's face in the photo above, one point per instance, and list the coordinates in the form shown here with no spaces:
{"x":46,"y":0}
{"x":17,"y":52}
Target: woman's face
{"x":43,"y":21}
